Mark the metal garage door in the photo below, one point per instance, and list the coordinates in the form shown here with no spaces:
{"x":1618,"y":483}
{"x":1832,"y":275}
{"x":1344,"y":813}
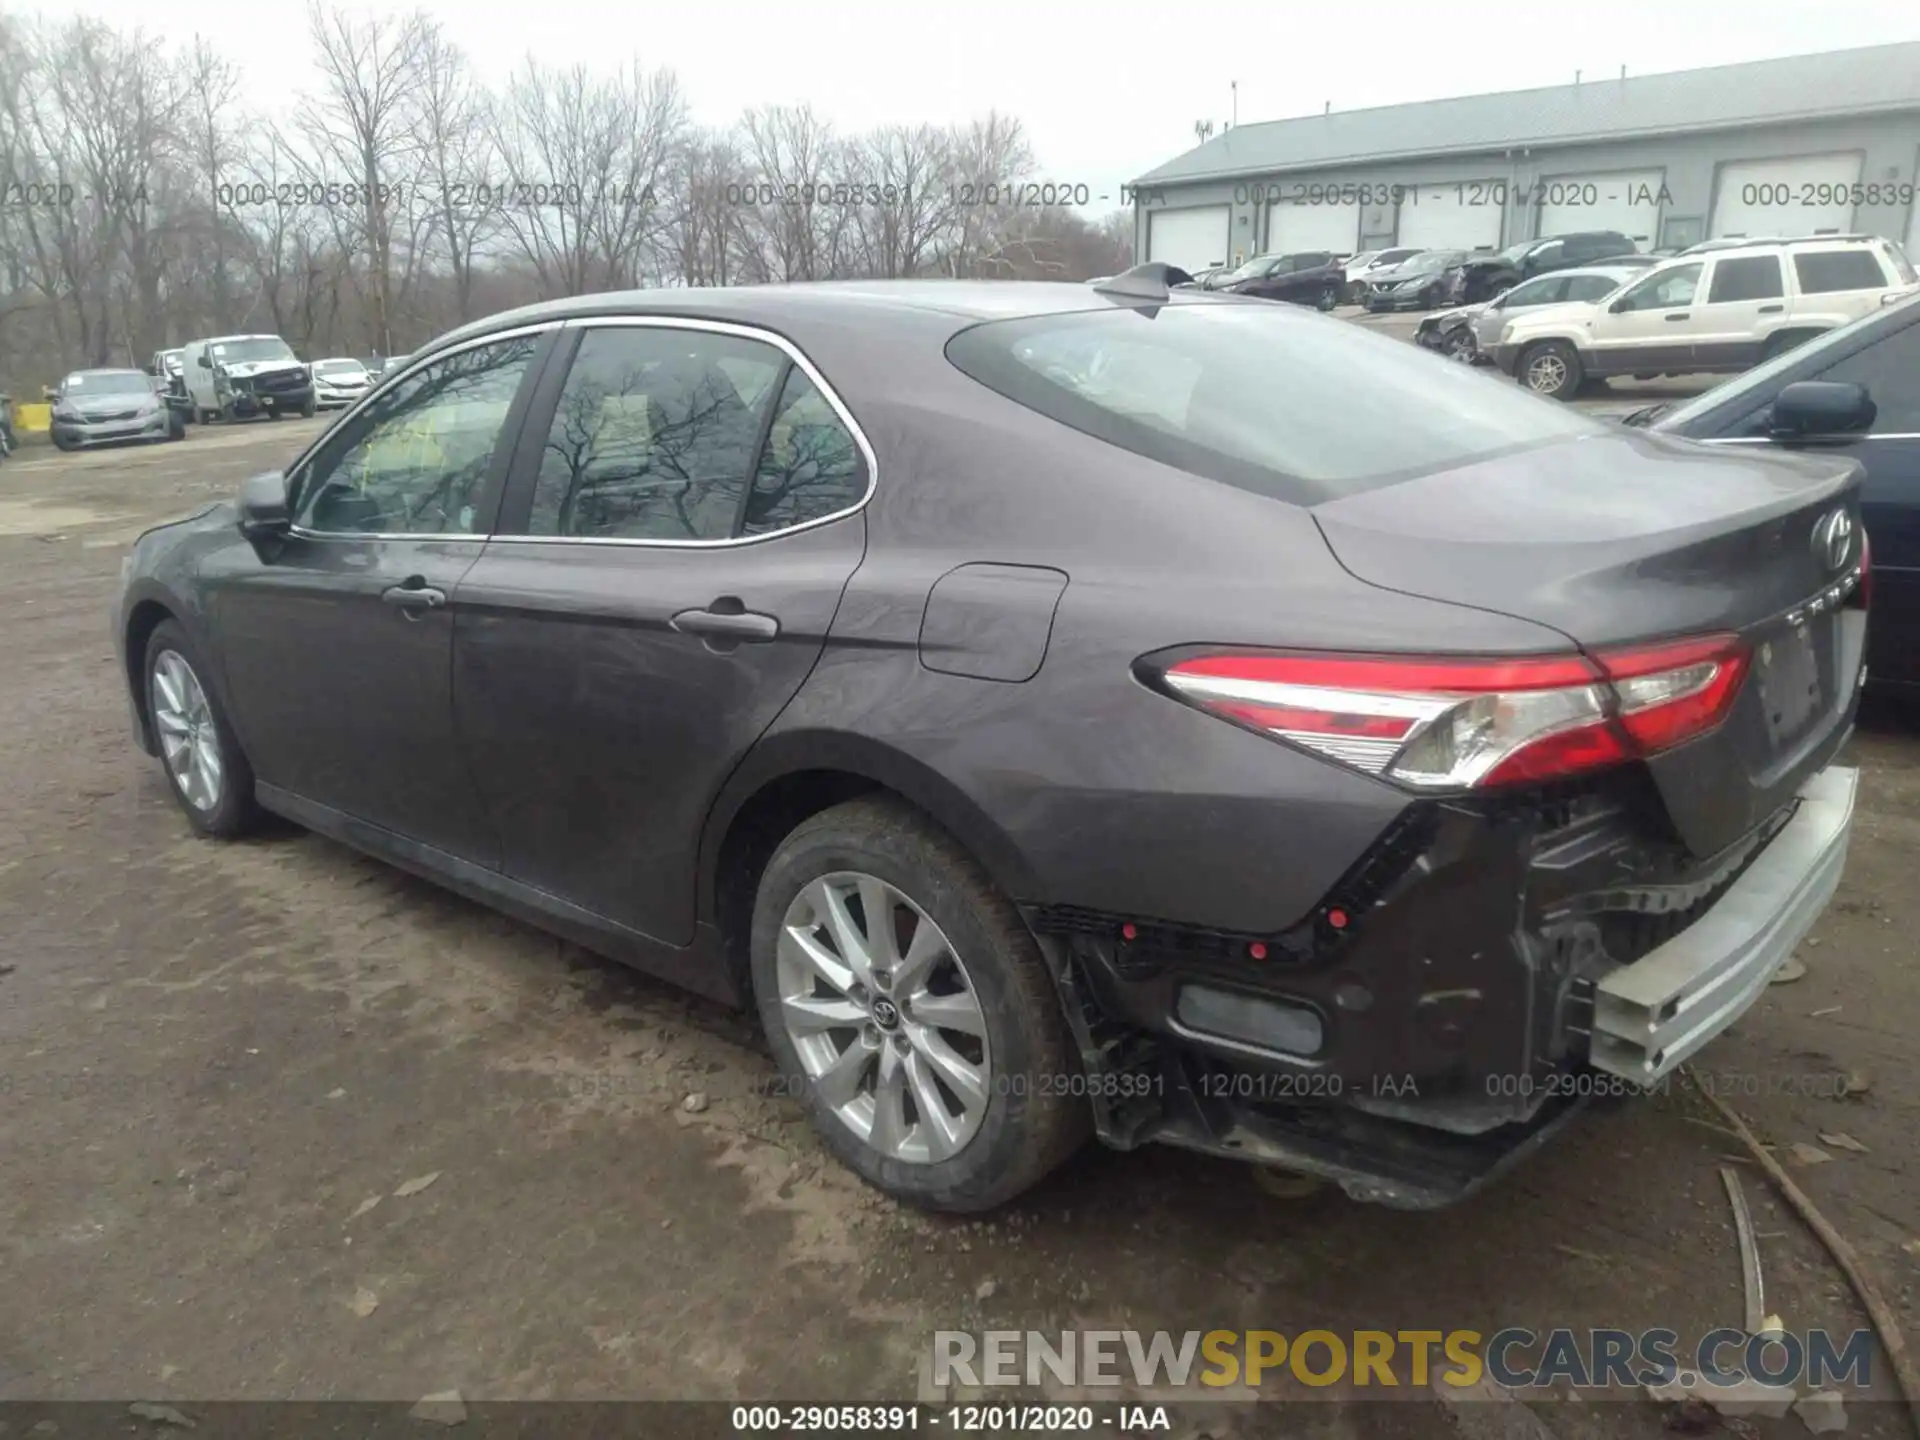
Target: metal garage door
{"x":1629,"y":203}
{"x":1292,"y":228}
{"x":1193,"y":238}
{"x":1465,"y":216}
{"x":1785,"y":197}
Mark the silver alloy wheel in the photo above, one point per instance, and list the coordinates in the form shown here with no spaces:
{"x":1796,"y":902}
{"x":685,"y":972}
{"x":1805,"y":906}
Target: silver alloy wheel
{"x":884,"y":1017}
{"x":1460,"y":346}
{"x":1546,"y":373}
{"x":189,"y":740}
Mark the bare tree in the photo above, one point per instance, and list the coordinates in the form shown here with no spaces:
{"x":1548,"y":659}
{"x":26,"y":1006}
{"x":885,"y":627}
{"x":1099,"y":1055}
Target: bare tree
{"x":457,"y":150}
{"x":585,"y":159}
{"x":363,"y":131}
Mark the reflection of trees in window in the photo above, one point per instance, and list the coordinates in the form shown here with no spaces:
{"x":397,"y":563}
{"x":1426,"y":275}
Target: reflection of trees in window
{"x":811,"y":467}
{"x":422,"y":457}
{"x":650,"y":439}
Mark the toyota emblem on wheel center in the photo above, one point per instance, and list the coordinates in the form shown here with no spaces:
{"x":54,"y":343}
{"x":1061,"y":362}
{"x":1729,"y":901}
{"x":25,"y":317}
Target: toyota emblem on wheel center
{"x":1833,"y":539}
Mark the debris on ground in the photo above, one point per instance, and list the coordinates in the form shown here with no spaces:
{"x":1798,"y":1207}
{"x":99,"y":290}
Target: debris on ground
{"x":1809,"y":1154}
{"x":159,"y":1414}
{"x":364,"y":1206}
{"x":1794,"y":969}
{"x":1744,"y":1397}
{"x":416,"y":1185}
{"x":364,"y":1302}
{"x":1822,"y":1412}
{"x":444,"y":1407}
{"x":1690,"y":1416}
{"x":694,"y":1103}
{"x":1858,"y":1082}
{"x":1750,"y":1282}
{"x":985,"y":1290}
{"x":1840,"y":1140}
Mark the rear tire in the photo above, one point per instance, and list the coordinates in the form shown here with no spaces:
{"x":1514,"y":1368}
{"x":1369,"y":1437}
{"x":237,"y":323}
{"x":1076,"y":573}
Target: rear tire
{"x":61,"y":442}
{"x":188,"y":722}
{"x":1329,"y":299}
{"x":1550,"y":368}
{"x":1007,"y":1112}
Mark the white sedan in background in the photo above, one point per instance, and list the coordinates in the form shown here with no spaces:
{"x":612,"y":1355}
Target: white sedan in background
{"x":339,"y":382}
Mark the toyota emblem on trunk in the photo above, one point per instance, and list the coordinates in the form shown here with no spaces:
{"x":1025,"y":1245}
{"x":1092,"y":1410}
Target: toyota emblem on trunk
{"x":1833,"y":539}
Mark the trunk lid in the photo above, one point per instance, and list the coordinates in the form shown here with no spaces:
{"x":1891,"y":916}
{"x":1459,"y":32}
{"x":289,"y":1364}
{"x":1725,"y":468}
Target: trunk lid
{"x":1632,"y":537}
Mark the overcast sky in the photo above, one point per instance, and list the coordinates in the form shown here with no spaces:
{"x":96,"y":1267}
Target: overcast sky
{"x":1106,"y":91}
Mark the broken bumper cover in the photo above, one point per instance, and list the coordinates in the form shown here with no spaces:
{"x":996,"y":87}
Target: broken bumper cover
{"x":1651,"y":1015}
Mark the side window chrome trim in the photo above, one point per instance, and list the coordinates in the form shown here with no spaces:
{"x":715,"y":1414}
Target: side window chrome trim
{"x":386,"y":382}
{"x":745,"y":332}
{"x":1768,"y":440}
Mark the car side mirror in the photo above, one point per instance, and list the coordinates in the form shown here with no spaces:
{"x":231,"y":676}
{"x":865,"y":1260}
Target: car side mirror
{"x":1620,"y":306}
{"x":205,"y":363}
{"x":263,"y":506}
{"x":1807,"y":409}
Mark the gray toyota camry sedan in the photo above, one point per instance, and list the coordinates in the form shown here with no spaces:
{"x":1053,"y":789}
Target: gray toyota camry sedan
{"x":1059,"y":710}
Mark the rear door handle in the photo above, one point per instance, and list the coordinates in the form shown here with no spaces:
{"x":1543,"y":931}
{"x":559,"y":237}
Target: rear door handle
{"x":1677,"y":319}
{"x":1771,"y":309}
{"x":727,"y":622}
{"x":411,"y":596}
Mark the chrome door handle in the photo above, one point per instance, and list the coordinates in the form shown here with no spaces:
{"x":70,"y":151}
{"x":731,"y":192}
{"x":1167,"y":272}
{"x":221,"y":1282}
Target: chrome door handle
{"x":414,"y":597}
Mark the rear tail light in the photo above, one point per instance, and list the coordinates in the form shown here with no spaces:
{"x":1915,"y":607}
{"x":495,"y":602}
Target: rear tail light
{"x":1452,"y":723}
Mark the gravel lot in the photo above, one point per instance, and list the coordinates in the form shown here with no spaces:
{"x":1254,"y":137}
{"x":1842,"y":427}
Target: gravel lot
{"x":220,"y":1064}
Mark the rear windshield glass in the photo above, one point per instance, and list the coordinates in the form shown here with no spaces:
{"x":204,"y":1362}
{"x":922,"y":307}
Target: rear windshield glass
{"x":1267,"y":398}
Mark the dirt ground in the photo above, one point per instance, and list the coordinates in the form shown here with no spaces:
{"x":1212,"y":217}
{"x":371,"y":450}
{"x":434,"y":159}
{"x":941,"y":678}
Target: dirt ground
{"x":222,"y":1067}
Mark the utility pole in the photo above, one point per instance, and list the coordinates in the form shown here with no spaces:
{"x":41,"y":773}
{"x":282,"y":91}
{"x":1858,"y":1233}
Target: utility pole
{"x":1235,"y":86}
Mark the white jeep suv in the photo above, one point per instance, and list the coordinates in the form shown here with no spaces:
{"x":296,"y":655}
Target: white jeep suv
{"x":1721,"y":311}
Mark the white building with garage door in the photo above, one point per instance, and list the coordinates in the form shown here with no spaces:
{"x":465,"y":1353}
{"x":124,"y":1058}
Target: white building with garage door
{"x":1807,"y":145}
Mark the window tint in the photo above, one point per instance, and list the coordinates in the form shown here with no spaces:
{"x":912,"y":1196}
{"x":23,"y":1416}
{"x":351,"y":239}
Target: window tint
{"x":1247,"y":396}
{"x":811,"y":466}
{"x":1821,"y":272}
{"x":1547,"y":255}
{"x":414,"y":462}
{"x":1665,"y":290}
{"x":654,"y":435}
{"x":1891,"y":372}
{"x":1747,"y":277}
{"x":1592,"y":287}
{"x":1544,"y":291}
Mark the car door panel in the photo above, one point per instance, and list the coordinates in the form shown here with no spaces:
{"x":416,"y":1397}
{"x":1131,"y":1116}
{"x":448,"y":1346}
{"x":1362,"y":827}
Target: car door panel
{"x":604,"y":686}
{"x":1655,"y":334}
{"x":338,"y":641}
{"x":599,"y":732}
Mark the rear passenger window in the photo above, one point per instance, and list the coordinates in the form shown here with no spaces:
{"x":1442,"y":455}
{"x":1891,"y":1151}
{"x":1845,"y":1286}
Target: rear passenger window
{"x":1822,"y":272}
{"x":1751,"y":277}
{"x":654,"y":435}
{"x":811,"y":467}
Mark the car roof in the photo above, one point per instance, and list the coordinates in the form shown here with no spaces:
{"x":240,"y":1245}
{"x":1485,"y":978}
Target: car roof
{"x":953,"y":304}
{"x":108,"y":370}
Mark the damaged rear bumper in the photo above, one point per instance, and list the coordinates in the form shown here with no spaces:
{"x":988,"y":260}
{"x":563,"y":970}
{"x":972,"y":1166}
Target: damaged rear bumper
{"x":1651,"y":1015}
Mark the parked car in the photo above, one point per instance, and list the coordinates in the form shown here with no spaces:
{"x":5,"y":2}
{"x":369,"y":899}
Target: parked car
{"x":1202,"y":278}
{"x":1420,"y":283}
{"x":339,"y":382}
{"x":1468,"y":332}
{"x":1313,"y":277}
{"x":234,"y":377}
{"x":1365,"y":267}
{"x":794,"y":706}
{"x":106,"y":407}
{"x":1484,"y":276}
{"x":167,"y":368}
{"x":1720,"y":311}
{"x":1854,"y":392}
